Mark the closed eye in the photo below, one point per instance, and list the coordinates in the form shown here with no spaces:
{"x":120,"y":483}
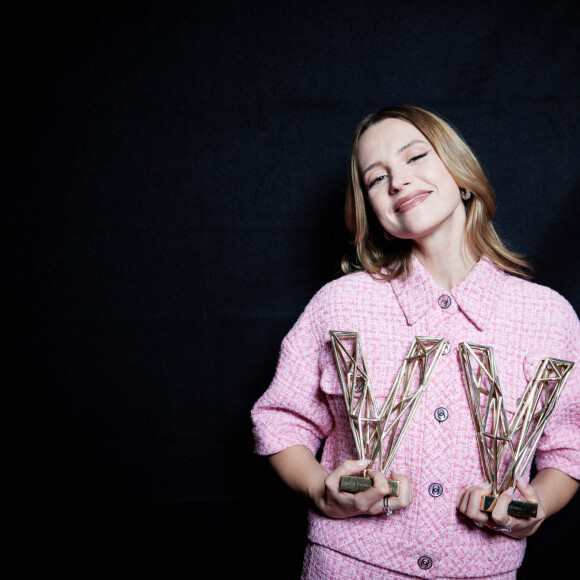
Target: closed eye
{"x":417,"y":157}
{"x":377,"y":179}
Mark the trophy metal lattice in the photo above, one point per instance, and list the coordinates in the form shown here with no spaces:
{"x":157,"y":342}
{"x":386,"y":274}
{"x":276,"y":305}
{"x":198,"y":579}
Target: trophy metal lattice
{"x":378,"y":431}
{"x":506,"y":449}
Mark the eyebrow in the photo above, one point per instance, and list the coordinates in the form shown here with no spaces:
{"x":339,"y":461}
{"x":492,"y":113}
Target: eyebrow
{"x":401,"y":150}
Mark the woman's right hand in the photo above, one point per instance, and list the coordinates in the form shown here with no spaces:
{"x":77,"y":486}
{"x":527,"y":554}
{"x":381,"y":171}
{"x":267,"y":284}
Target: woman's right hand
{"x":334,"y":503}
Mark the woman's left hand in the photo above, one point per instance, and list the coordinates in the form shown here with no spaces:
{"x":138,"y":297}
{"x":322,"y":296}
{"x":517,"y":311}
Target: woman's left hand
{"x":469,"y":500}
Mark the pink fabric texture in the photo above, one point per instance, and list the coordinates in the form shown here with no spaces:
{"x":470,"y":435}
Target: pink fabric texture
{"x":321,"y":563}
{"x":522,"y":321}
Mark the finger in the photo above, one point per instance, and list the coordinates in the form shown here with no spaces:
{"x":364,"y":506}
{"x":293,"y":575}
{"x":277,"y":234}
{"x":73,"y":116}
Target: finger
{"x":386,"y":505}
{"x":406,"y":490}
{"x":463,"y":499}
{"x":349,"y":467}
{"x":471,"y":503}
{"x":370,"y":501}
{"x":390,"y":503}
{"x":527,"y":491}
{"x":352,"y":466}
{"x":499,"y":514}
{"x":380,"y":483}
{"x":461,"y":496}
{"x":398,"y":476}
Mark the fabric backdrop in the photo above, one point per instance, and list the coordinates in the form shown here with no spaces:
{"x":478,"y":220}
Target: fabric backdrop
{"x":174,"y":179}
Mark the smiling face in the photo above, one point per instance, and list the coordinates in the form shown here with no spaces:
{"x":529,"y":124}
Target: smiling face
{"x":409,"y":188}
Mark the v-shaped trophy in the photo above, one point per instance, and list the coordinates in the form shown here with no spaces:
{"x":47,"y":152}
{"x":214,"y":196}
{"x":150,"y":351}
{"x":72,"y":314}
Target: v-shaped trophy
{"x":378,"y":430}
{"x":507,"y":448}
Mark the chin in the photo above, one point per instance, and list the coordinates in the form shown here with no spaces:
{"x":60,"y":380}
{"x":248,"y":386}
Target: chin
{"x":420,"y":228}
{"x":414,"y":234}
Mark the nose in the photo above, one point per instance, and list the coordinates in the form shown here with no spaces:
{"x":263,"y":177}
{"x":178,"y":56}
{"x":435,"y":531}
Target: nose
{"x":399,"y":180}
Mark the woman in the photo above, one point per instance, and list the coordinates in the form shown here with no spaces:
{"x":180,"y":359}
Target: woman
{"x":429,"y":263}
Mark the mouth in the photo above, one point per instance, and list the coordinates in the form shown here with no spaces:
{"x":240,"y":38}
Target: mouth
{"x":411,"y":200}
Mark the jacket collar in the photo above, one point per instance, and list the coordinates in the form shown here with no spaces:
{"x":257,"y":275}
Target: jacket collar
{"x":476,"y":296}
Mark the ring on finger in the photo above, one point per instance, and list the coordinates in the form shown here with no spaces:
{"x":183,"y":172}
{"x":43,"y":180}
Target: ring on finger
{"x":388,"y":511}
{"x":507,"y":528}
{"x":480,"y":524}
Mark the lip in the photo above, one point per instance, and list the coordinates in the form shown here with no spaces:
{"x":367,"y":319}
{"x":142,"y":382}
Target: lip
{"x":411,"y":200}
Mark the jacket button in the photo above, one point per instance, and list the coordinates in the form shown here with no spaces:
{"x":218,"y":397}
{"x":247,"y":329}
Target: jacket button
{"x":441,"y":414}
{"x":425,"y":562}
{"x":444,"y":301}
{"x":435,"y":489}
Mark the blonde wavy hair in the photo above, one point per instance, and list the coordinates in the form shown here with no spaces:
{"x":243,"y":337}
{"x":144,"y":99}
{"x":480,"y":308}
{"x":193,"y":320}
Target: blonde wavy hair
{"x":390,"y":259}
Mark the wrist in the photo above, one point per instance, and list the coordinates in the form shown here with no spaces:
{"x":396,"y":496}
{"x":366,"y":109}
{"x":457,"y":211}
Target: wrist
{"x":315,"y":486}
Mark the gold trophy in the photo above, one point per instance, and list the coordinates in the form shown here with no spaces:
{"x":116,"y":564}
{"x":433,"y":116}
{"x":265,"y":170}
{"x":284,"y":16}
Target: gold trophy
{"x":506,"y":449}
{"x":378,"y":431}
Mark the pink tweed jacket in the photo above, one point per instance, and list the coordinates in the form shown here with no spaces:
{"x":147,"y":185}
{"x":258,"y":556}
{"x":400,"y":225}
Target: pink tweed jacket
{"x":522,"y":321}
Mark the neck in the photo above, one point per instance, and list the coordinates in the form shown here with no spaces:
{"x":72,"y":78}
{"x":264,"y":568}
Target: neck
{"x":448,"y":262}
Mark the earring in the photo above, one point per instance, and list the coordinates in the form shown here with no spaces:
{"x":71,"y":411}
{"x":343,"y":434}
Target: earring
{"x":465,"y":194}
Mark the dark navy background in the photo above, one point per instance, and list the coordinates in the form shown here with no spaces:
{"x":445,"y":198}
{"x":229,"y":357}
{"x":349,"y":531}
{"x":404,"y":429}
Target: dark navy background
{"x":174,"y":177}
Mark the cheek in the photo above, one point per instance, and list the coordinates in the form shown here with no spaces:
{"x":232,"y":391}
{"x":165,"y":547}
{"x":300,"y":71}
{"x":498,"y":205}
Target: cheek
{"x":373,"y":204}
{"x":441,"y":175}
{"x":379,"y":207}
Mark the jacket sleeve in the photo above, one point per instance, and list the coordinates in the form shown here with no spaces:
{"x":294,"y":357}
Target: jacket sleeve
{"x":559,"y":447}
{"x":294,"y":411}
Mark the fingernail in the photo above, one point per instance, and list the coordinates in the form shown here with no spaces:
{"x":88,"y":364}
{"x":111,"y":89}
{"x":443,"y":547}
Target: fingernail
{"x":510,"y":491}
{"x":485,"y":485}
{"x":520,"y":479}
{"x":363,"y":462}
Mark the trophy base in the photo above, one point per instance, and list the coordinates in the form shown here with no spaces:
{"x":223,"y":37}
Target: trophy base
{"x":519,"y":509}
{"x":356,"y":484}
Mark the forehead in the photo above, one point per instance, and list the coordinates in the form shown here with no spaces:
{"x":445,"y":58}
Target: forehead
{"x":386,"y":138}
